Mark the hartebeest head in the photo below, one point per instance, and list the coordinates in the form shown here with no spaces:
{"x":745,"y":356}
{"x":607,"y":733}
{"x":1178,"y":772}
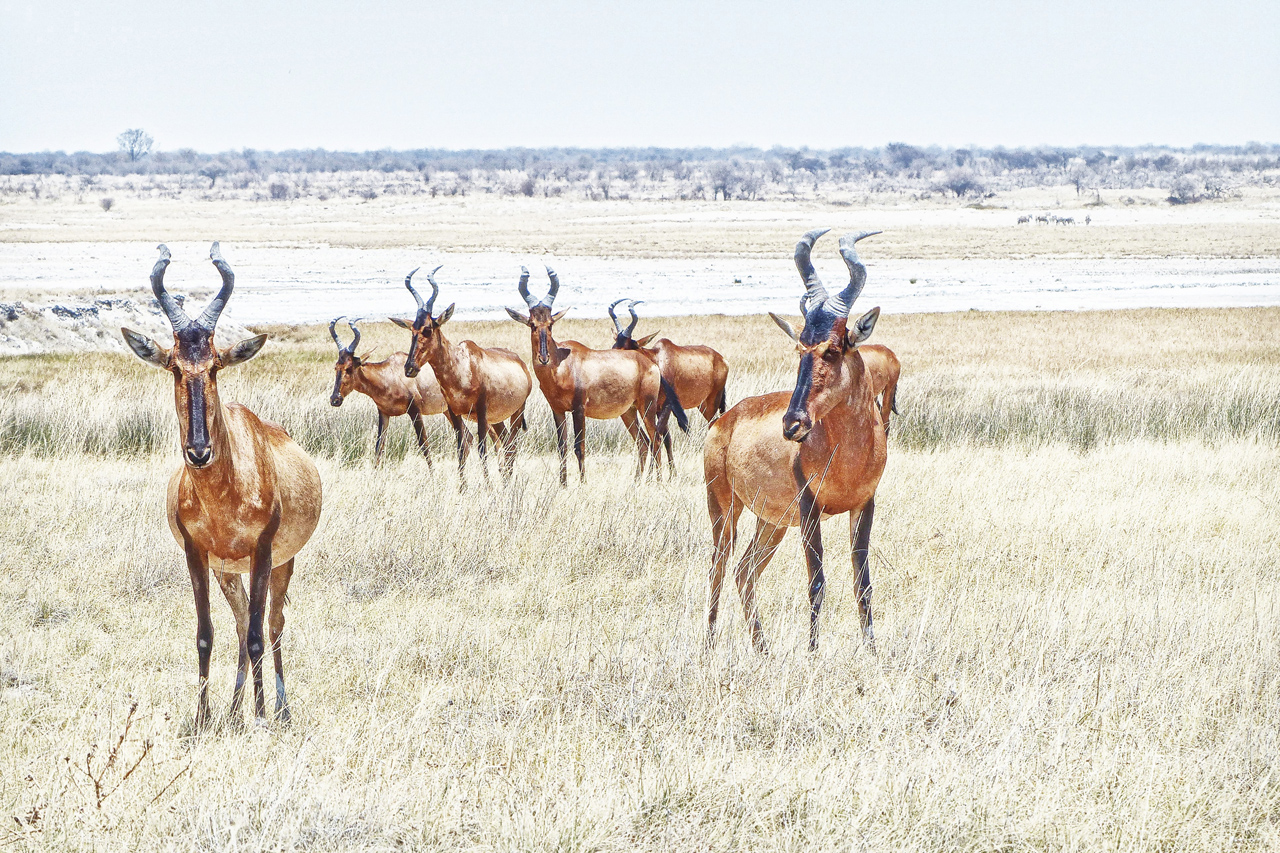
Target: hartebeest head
{"x":347,"y":365}
{"x":424,"y":326}
{"x":540,"y":319}
{"x":822,"y":381}
{"x":194,"y":360}
{"x":624,"y":339}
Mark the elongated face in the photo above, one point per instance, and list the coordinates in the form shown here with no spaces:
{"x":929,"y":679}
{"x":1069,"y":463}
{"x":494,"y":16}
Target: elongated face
{"x":821,"y":381}
{"x":344,"y":381}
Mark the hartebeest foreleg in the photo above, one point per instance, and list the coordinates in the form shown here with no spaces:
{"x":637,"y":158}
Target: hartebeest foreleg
{"x":562,"y":444}
{"x":198,"y":566}
{"x":259,"y":589}
{"x":238,"y":600}
{"x":860,"y":533}
{"x":764,"y":544}
{"x":580,"y":436}
{"x":280,"y":577}
{"x":482,"y":433}
{"x":811,"y":537}
{"x":420,"y":430}
{"x":381,"y":440}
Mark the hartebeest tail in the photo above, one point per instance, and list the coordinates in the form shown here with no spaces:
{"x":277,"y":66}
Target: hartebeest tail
{"x":487,"y":385}
{"x":588,"y":383}
{"x":384,"y":382}
{"x":246,"y":499}
{"x":796,"y":458}
{"x":696,"y":373}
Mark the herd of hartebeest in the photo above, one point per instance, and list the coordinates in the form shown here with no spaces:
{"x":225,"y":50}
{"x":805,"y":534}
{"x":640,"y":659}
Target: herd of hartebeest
{"x":247,"y":498}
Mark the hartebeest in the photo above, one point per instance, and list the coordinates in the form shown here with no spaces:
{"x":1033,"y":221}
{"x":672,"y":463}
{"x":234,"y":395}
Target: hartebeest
{"x":488,"y":385}
{"x":882,"y":366}
{"x":246,"y":499}
{"x":698,"y":373}
{"x":794,"y":459}
{"x":590,"y":383}
{"x":385,"y":383}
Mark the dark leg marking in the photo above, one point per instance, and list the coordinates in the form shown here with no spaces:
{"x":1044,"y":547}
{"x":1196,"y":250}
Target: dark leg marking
{"x":861,"y":531}
{"x":259,"y":586}
{"x":280,"y":577}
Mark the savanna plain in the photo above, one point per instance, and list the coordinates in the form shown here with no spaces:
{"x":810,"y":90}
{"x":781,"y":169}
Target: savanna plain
{"x":1074,"y":567}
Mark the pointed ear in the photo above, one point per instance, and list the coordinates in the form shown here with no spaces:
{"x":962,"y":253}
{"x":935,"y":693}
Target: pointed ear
{"x":517,"y":316}
{"x":145,"y":348}
{"x":243,"y":351}
{"x":444,"y":317}
{"x":785,"y":327}
{"x":402,"y":323}
{"x":555,"y":317}
{"x":644,"y":342}
{"x":862,"y":329}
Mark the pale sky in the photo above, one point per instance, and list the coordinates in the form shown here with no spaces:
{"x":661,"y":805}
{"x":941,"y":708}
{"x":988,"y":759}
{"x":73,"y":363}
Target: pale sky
{"x":275,"y":75}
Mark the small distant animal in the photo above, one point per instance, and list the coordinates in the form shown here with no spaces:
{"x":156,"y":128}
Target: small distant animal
{"x":1023,"y":220}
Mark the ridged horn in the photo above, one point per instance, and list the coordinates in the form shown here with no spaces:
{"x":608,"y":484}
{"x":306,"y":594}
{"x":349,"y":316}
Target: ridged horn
{"x":208,"y":318}
{"x":634,"y":319}
{"x":408,"y":282}
{"x":815,"y":293}
{"x":617,"y":327}
{"x":435,"y":289}
{"x":550,"y":298}
{"x":177,"y":317}
{"x":355,"y":342}
{"x":523,"y":287}
{"x":842,"y":302}
{"x":333,"y":333}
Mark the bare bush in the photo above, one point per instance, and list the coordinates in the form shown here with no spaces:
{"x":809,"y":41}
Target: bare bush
{"x":107,"y":203}
{"x":135,"y":143}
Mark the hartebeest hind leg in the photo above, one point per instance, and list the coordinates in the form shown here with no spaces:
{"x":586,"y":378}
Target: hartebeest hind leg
{"x":764,"y":544}
{"x":464,"y":445}
{"x":811,"y":539}
{"x":420,"y":430}
{"x":233,"y":590}
{"x":580,"y":438}
{"x":860,"y":531}
{"x":631,"y":420}
{"x":280,"y":577}
{"x":724,"y":511}
{"x":482,"y":434}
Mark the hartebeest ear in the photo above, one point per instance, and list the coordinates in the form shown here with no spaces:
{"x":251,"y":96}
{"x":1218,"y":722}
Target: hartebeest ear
{"x":243,"y":351}
{"x":557,"y":316}
{"x":644,"y":342}
{"x":517,"y":316}
{"x":784,"y":326}
{"x":402,"y":323}
{"x":445,"y":315}
{"x":862,"y":329}
{"x":145,"y":348}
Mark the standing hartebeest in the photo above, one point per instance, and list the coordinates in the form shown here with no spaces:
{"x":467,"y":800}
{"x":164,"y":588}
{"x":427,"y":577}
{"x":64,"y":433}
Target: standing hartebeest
{"x":245,"y":501}
{"x":882,"y":366}
{"x":590,"y":383}
{"x":794,"y":459}
{"x":698,"y":373}
{"x":385,"y":383}
{"x":485,"y":385}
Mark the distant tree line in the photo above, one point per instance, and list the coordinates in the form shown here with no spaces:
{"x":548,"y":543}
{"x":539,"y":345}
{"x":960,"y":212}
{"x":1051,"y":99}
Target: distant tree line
{"x":742,"y":173}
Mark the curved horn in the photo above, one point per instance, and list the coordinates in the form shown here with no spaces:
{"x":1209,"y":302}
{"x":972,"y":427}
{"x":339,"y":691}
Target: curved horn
{"x":333,"y":333}
{"x":435,"y":289}
{"x":177,"y":317}
{"x":843,"y":301}
{"x":356,"y":341}
{"x":523,"y":287}
{"x":617,"y":327}
{"x":209,"y":317}
{"x":634,"y":319}
{"x":550,"y":298}
{"x":815,"y":293}
{"x":408,"y":282}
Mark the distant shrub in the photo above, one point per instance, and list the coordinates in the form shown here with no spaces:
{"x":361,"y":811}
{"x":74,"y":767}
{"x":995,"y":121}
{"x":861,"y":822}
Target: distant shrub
{"x":279,"y":192}
{"x":106,"y":203}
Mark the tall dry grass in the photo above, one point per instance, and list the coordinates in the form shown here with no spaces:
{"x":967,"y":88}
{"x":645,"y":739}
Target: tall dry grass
{"x":1078,"y":641}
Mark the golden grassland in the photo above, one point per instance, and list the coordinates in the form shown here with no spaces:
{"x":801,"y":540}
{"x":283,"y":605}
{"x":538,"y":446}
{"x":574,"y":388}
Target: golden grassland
{"x":1125,"y":224}
{"x":1074,"y":567}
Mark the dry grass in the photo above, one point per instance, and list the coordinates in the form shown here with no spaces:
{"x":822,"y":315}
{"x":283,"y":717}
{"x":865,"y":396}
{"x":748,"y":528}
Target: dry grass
{"x":1078,"y":642}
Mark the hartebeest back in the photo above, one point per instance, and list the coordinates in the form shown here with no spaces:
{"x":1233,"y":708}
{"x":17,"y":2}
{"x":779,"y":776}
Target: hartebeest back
{"x":384,"y":382}
{"x":794,"y":459}
{"x":487,"y":385}
{"x":246,"y":499}
{"x":698,"y":373}
{"x":590,"y":383}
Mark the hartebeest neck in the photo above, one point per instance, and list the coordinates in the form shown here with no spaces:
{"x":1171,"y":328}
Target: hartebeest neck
{"x":381,"y":381}
{"x":449,"y":362}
